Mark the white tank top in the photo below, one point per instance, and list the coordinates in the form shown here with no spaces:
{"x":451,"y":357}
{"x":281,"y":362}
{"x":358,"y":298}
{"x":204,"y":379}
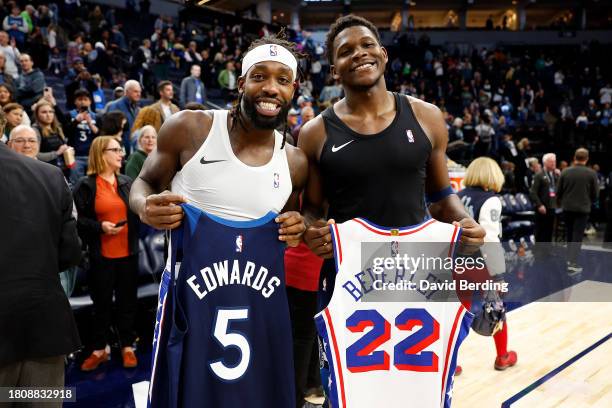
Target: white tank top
{"x":217,"y":182}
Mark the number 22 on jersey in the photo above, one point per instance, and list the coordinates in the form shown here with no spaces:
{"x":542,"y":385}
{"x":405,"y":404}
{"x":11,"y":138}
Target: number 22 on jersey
{"x":408,"y":354}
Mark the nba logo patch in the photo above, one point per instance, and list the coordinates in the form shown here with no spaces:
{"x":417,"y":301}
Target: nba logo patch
{"x":410,"y":135}
{"x":276,"y":180}
{"x":238,"y":243}
{"x":273,"y":50}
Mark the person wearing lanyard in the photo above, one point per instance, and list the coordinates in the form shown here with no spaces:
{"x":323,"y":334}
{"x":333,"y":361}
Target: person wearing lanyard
{"x":543,"y":194}
{"x":192,"y":87}
{"x":110,"y":231}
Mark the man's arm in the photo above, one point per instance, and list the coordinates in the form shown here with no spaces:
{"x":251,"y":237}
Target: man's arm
{"x":535,"y":189}
{"x":594,"y":188}
{"x":38,"y":83}
{"x":17,"y":54}
{"x":560,"y":187}
{"x":69,"y":248}
{"x":183,"y":92}
{"x":317,"y":235}
{"x":24,"y":28}
{"x":310,"y":141}
{"x":449,"y":208}
{"x":174,"y":142}
{"x":291,"y":222}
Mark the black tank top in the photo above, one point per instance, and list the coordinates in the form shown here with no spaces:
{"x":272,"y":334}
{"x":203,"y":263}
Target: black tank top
{"x":380,"y":177}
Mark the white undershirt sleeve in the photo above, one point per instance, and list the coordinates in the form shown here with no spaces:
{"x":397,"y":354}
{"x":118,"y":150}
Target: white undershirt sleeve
{"x":492,"y":250}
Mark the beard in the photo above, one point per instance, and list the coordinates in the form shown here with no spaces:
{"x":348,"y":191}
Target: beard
{"x":260,"y":121}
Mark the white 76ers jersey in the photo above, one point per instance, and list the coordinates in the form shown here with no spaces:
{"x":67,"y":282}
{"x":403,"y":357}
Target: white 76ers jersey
{"x":381,"y":352}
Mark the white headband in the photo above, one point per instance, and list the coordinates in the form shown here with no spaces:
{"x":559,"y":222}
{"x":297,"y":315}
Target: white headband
{"x":269,"y":52}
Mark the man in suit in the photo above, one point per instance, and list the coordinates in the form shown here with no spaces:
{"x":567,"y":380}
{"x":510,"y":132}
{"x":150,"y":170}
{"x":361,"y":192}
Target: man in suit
{"x":543,"y":194}
{"x":128,"y":104}
{"x":36,"y":322}
{"x":192,"y":87}
{"x":164,"y":106}
{"x":577,"y":190}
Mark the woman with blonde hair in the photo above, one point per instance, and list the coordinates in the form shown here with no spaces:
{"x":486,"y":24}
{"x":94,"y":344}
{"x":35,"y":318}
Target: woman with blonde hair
{"x":53,"y":143}
{"x":110,"y":231}
{"x":483,"y":180}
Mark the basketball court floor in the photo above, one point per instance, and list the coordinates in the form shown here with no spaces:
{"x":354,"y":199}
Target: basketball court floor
{"x":562,"y":334}
{"x":565,"y":358}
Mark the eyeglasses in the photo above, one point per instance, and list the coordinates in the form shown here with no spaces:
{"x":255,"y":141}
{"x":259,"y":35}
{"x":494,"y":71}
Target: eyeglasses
{"x":21,"y":140}
{"x":117,"y":150}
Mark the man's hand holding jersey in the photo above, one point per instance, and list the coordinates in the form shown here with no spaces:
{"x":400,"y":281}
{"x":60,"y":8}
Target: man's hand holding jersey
{"x":291,"y":227}
{"x":319,"y":240}
{"x":162,"y":211}
{"x":472,"y":236}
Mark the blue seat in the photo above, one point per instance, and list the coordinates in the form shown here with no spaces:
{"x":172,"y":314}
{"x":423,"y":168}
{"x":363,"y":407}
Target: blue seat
{"x":154,"y":244}
{"x":524,"y":202}
{"x":144,"y":267}
{"x":517,"y":229}
{"x":512,"y":206}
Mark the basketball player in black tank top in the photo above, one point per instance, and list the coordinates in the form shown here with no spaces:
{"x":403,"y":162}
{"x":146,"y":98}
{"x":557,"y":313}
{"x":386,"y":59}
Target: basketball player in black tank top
{"x":374,"y":154}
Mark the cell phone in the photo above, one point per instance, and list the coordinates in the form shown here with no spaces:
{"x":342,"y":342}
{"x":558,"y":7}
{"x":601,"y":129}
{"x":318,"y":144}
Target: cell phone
{"x":120,"y":223}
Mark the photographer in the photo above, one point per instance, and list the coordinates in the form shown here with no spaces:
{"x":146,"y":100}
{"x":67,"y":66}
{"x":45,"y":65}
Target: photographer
{"x":81,"y":131}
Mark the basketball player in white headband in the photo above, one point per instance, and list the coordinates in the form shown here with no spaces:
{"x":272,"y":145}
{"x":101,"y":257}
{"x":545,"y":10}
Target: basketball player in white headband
{"x":264,"y":110}
{"x":266,"y":87}
{"x":236,"y":166}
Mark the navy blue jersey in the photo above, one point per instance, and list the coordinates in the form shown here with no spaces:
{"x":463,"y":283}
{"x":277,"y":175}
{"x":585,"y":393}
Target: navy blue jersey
{"x":224,"y":334}
{"x":473,"y":198}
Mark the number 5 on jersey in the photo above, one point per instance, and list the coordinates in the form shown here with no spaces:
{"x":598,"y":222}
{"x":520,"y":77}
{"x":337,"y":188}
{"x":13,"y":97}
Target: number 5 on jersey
{"x":408,"y":354}
{"x":229,"y":339}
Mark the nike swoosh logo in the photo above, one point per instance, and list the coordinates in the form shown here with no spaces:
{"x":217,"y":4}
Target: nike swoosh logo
{"x":204,"y":161}
{"x":335,"y":149}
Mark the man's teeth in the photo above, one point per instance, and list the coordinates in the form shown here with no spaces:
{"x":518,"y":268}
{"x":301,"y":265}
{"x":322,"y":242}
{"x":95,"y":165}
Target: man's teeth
{"x":267,"y":106}
{"x":364,"y":66}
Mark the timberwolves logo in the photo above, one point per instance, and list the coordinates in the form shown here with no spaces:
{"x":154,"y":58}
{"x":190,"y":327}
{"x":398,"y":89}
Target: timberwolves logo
{"x":273,"y":50}
{"x":410,"y":135}
{"x":276,"y":180}
{"x":238,"y":243}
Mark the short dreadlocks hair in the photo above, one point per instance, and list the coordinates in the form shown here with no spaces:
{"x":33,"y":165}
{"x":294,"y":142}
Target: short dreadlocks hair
{"x":277,"y":39}
{"x":343,"y":23}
